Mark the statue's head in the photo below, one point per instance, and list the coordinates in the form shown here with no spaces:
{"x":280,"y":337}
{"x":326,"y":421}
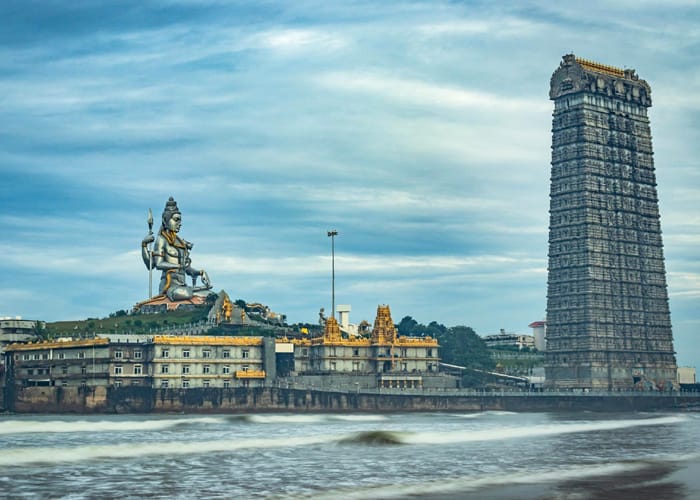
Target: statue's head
{"x":172,"y":218}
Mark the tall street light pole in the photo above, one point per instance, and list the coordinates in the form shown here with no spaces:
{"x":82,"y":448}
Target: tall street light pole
{"x":332,"y":234}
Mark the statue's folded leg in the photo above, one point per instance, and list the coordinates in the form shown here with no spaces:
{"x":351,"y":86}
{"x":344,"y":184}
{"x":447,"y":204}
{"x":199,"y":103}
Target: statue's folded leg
{"x":176,"y":293}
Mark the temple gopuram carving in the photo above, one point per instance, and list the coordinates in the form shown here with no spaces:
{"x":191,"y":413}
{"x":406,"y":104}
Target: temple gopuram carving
{"x":608,"y":319}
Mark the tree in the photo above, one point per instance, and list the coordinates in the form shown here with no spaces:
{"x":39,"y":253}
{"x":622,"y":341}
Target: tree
{"x":460,"y":345}
{"x":39,"y":330}
{"x":406,"y":326}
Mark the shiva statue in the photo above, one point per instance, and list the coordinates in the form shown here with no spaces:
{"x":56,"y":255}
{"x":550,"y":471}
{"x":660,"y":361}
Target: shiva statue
{"x":171,"y":255}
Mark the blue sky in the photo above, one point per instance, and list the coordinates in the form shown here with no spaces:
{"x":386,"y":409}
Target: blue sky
{"x":420,"y":131}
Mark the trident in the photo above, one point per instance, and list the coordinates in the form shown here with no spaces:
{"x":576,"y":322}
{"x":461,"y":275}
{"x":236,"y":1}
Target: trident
{"x":150,"y":255}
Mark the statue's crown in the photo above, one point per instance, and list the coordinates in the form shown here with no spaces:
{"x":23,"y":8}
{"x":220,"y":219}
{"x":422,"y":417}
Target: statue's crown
{"x":170,"y":209}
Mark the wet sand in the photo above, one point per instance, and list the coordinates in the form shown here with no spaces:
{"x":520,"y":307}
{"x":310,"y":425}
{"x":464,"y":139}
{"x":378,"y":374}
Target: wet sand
{"x":655,"y":480}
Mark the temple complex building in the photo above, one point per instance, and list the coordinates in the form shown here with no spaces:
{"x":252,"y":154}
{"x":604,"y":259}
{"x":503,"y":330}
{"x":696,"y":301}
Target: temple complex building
{"x":396,"y":361}
{"x":608,"y":320}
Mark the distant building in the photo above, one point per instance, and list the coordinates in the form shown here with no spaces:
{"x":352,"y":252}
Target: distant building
{"x":509,"y":340}
{"x":18,"y":330}
{"x":687,"y":375}
{"x":67,"y":363}
{"x":158,"y":362}
{"x":204,"y":361}
{"x":539,"y":331}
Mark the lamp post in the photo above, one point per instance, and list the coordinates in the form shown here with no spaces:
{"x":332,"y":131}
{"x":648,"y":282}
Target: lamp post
{"x":332,"y":234}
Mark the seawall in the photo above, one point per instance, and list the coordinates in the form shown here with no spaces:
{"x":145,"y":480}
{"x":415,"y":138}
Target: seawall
{"x":276,"y":399}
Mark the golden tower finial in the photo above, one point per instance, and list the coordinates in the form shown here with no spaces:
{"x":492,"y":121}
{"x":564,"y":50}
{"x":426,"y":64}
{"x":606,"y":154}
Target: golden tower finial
{"x":384,"y":331}
{"x":331,"y":333}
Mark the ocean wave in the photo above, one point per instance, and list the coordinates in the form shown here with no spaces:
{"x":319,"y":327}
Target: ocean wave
{"x":306,"y":418}
{"x":25,"y":426}
{"x":483,"y":414}
{"x":505,"y":433}
{"x":375,"y":438}
{"x":12,"y":457}
{"x":302,"y":418}
{"x":358,"y":418}
{"x":93,"y":426}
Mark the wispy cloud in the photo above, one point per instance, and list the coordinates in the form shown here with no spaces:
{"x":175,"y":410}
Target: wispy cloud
{"x":427,"y":94}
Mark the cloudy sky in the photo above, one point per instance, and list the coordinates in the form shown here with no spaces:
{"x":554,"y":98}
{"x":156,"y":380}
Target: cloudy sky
{"x":420,"y":131}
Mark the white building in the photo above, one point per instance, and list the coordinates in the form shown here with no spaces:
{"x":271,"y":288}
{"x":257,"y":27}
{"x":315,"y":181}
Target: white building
{"x":504,"y":339}
{"x":539,"y":331}
{"x":686,"y":375}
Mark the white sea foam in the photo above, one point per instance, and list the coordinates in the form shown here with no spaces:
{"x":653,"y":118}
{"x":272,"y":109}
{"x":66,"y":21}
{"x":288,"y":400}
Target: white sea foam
{"x":286,"y":419}
{"x":504,"y":433}
{"x":21,"y":426}
{"x":483,"y":414}
{"x":92,"y":426}
{"x":34,"y":455}
{"x":358,"y":418}
{"x":310,"y":418}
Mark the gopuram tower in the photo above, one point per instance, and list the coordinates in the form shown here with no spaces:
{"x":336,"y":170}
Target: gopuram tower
{"x":608,"y":320}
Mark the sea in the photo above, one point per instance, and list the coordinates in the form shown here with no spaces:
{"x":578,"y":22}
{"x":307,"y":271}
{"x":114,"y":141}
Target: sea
{"x":484,"y":455}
